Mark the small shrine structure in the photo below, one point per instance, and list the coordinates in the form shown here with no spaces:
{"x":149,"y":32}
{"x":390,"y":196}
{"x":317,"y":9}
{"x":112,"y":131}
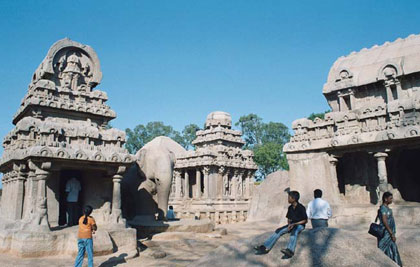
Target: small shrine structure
{"x":215,"y":181}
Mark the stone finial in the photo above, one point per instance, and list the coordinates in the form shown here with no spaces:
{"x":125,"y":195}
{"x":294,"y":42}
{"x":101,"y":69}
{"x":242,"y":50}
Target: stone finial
{"x":219,"y":118}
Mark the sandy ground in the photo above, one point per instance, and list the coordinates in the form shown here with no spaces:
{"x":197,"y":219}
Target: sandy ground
{"x":169,"y":249}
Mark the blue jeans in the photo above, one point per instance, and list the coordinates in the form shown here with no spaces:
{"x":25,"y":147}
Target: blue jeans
{"x":316,"y":223}
{"x":269,"y":243}
{"x":84,"y":244}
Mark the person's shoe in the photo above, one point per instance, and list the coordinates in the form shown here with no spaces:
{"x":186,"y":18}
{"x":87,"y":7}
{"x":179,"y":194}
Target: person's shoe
{"x":260,"y":250}
{"x":287,"y":252}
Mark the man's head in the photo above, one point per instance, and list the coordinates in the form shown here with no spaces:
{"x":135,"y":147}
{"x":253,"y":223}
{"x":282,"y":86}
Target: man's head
{"x":293,"y":196}
{"x":171,"y":207}
{"x":317,"y":193}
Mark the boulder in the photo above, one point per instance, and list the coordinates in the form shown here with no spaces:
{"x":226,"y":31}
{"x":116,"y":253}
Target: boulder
{"x":269,"y":199}
{"x":316,"y":247}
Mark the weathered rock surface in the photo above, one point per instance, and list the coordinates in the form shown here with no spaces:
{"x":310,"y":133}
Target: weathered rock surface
{"x":316,"y":247}
{"x":269,"y":199}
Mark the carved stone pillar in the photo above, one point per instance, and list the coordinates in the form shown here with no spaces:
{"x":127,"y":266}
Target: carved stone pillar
{"x":40,"y":217}
{"x":177,"y":175}
{"x":186,"y":185}
{"x":334,"y":178}
{"x":116,"y":214}
{"x":18,"y":194}
{"x":198,"y":183}
{"x":4,"y":198}
{"x":248,"y":184}
{"x":206,"y":172}
{"x":234,"y":188}
{"x":30,"y":199}
{"x":220,"y":183}
{"x":382,"y":173}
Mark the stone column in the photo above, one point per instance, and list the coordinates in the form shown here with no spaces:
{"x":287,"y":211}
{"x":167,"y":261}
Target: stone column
{"x":382,"y":173}
{"x":18,"y":195}
{"x":30,"y":200}
{"x":247,"y":184}
{"x":116,"y":214}
{"x":40,"y":217}
{"x":206,"y":172}
{"x":233,"y":189}
{"x":178,"y":185}
{"x":333,"y":172}
{"x":186,"y":185}
{"x":219,"y":184}
{"x":198,"y":183}
{"x":4,"y":198}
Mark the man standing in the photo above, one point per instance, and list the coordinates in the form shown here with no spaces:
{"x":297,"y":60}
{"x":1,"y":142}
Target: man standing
{"x":72,"y":189}
{"x":319,"y":210}
{"x":296,"y":220}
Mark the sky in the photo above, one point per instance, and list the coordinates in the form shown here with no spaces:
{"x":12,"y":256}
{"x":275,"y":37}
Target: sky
{"x":177,"y":61}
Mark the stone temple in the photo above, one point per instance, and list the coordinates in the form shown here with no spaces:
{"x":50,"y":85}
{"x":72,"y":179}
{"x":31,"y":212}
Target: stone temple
{"x":61,"y":131}
{"x":370,"y":141}
{"x":214,"y":181}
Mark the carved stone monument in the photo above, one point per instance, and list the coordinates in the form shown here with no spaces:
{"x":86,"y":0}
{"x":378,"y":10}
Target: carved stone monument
{"x":215,"y":180}
{"x":370,"y":141}
{"x":61,"y":131}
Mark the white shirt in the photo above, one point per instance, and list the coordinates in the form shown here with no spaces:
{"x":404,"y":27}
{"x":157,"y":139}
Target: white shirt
{"x":170,"y":215}
{"x":73,"y":188}
{"x":319,"y":209}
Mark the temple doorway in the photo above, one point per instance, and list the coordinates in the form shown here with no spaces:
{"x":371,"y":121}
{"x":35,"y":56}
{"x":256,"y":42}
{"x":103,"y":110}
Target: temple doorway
{"x":65,"y":176}
{"x":404,"y":172}
{"x":357,"y":175}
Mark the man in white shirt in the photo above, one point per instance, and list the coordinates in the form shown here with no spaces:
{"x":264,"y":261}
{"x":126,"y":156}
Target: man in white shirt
{"x":72,"y":189}
{"x":319,"y":210}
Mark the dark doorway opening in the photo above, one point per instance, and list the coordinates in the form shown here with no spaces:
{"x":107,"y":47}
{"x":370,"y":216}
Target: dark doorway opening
{"x":192,"y":181}
{"x":358,"y":168}
{"x":403,"y":168}
{"x":66,"y":175}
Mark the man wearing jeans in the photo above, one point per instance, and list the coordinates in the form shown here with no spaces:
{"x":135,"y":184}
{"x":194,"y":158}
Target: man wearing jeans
{"x":296,"y":220}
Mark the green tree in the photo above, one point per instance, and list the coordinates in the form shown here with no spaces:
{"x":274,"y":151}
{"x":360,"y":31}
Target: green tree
{"x":251,"y":126}
{"x":266,"y":140}
{"x":141,"y":135}
{"x":189,"y":135}
{"x":269,"y":157}
{"x":320,"y":115}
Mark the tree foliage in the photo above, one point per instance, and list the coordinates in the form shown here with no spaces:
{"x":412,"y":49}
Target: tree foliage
{"x":320,"y":115}
{"x":266,"y":140}
{"x":142,"y":134}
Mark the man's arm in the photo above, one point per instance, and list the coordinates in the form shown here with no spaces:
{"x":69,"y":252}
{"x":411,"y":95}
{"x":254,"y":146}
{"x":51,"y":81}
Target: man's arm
{"x":309,"y":210}
{"x":329,"y":211}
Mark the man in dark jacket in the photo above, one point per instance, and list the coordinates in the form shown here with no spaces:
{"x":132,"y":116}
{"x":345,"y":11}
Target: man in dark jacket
{"x":296,"y":220}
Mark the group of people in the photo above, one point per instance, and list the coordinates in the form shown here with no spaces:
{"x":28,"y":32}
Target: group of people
{"x":319,"y":211}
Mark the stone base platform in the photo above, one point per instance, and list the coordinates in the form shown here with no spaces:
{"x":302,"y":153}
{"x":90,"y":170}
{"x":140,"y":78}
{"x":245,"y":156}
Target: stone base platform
{"x":147,"y":227}
{"x":64,"y":242}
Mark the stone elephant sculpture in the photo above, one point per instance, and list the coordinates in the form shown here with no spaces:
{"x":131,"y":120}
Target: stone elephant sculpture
{"x":156,"y":162}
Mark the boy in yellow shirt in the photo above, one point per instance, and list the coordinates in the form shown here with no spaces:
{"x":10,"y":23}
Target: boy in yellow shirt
{"x":87,"y":227}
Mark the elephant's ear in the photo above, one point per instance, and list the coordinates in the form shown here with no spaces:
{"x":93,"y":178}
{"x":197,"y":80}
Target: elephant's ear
{"x":141,"y":158}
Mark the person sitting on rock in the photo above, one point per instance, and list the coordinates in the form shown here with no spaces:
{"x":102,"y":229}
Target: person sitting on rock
{"x":296,"y":220}
{"x":170,"y":215}
{"x":319,"y":210}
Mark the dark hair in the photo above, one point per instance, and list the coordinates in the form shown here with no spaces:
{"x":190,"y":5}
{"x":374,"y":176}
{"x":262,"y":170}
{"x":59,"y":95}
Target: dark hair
{"x":87,"y":211}
{"x":171,"y":208}
{"x":386,"y":195}
{"x":318,"y":193}
{"x":295,"y":195}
